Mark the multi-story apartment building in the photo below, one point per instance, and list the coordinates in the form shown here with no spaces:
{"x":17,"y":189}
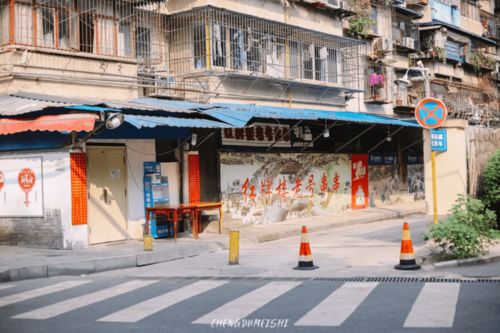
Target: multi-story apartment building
{"x":445,"y":49}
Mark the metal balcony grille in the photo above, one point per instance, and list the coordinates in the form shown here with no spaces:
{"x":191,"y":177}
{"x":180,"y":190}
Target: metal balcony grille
{"x":210,"y":41}
{"x":122,"y":29}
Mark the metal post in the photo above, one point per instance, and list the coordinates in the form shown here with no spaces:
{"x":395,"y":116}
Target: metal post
{"x":434,"y":189}
{"x":234,"y":247}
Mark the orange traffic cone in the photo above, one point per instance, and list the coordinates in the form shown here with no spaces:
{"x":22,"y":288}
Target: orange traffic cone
{"x":305,"y":256}
{"x":407,"y":257}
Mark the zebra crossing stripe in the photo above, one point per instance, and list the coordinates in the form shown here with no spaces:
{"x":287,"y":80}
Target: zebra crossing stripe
{"x":149,"y":307}
{"x":434,"y":306}
{"x":81,"y":301}
{"x":248,"y":303}
{"x":5,"y":286}
{"x":25,"y":295}
{"x":337,"y":307}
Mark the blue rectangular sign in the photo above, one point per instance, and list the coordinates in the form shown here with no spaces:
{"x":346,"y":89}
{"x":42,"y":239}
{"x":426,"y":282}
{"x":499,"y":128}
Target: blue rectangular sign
{"x":438,"y":140}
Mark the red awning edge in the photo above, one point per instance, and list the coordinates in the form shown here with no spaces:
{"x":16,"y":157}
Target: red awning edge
{"x":79,"y":122}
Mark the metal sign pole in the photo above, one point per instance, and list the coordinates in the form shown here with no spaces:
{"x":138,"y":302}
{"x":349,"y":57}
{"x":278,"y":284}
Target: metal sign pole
{"x":431,"y":113}
{"x":434,"y":188}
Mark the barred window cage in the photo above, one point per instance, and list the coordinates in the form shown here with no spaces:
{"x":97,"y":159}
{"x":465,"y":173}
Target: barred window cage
{"x":210,"y":40}
{"x":133,"y":30}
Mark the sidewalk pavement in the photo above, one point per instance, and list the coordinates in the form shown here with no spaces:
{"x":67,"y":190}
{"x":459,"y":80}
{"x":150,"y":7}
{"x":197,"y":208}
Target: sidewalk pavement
{"x":17,"y":263}
{"x":290,"y":228}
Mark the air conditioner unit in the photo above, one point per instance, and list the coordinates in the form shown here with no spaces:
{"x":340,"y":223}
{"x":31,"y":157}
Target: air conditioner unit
{"x":386,"y":44}
{"x":344,"y":5}
{"x":408,"y":42}
{"x":333,"y":3}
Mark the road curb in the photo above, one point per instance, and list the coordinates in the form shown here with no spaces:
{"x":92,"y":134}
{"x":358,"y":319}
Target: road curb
{"x":90,"y":266}
{"x":295,"y":230}
{"x":467,"y":262}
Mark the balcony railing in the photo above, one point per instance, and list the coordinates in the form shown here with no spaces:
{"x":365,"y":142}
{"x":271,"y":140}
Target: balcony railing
{"x":121,"y":29}
{"x":208,"y":42}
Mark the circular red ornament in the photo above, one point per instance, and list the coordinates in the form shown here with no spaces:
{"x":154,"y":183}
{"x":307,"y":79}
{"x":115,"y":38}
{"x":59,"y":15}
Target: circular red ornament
{"x":26,"y":179}
{"x":2,"y":180}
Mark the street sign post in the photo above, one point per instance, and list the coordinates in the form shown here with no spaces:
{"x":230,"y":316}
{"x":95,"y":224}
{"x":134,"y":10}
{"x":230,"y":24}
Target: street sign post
{"x":431,"y":113}
{"x":439,"y":140}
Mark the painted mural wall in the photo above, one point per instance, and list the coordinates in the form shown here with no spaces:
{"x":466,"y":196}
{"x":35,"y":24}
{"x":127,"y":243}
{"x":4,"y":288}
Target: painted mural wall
{"x":260,"y":188}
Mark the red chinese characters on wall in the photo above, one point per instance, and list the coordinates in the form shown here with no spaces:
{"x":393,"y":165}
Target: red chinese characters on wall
{"x":26,"y":180}
{"x":246,"y":187}
{"x":359,"y":178}
{"x":281,"y":189}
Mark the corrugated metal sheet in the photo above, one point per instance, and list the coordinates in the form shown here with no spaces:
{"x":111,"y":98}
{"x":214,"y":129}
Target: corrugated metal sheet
{"x":152,"y":121}
{"x":239,"y":115}
{"x":436,"y":24}
{"x":18,"y":103}
{"x":15,"y":105}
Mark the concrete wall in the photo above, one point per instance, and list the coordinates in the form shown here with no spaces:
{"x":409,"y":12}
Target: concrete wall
{"x":451,"y":168}
{"x":53,"y":230}
{"x":65,"y":74}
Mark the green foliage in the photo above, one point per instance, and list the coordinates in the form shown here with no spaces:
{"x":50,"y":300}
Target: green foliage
{"x":359,"y":26}
{"x":439,"y":53}
{"x":490,"y":187}
{"x":479,"y":60}
{"x":467,"y":232}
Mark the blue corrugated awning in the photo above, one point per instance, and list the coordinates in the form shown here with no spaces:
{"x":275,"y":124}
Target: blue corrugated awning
{"x":240,"y":115}
{"x":154,"y":121}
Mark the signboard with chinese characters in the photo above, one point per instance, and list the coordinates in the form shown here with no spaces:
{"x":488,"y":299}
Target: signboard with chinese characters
{"x":359,"y":181}
{"x":269,"y":187}
{"x":438,"y":140}
{"x":258,"y":135}
{"x":21,"y":190}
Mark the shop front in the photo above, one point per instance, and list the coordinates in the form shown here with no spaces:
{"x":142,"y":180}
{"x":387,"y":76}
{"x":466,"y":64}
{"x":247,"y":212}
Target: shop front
{"x":278,"y":164}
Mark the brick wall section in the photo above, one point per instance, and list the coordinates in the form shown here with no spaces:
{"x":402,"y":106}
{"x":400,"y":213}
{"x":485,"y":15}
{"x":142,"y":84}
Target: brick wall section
{"x":43,"y":232}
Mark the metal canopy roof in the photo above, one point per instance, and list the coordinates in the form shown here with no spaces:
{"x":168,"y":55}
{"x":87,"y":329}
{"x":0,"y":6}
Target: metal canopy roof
{"x":152,"y":121}
{"x":18,"y":103}
{"x":239,"y":115}
{"x":435,"y":24}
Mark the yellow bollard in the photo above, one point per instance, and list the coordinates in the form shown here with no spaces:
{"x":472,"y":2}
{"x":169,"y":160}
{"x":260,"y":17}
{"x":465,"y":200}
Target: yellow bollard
{"x":234,"y":247}
{"x":148,"y":243}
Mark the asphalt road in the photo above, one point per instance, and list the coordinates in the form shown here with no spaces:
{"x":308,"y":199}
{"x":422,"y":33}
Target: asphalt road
{"x":113,"y":304}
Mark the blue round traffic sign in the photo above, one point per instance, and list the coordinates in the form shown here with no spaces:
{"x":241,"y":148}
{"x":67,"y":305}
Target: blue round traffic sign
{"x":431,"y":113}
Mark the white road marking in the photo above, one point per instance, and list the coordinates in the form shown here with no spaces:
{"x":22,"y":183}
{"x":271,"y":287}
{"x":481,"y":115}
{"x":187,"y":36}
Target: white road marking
{"x":435,"y":306}
{"x":337,"y":307}
{"x":5,"y":286}
{"x":248,"y":303}
{"x":25,"y":295}
{"x":151,"y":306}
{"x":81,"y":301}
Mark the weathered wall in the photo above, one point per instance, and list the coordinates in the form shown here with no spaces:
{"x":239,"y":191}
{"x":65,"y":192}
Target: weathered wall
{"x":272,"y":187}
{"x":451,"y":168}
{"x":54,"y":229}
{"x":64,"y":74}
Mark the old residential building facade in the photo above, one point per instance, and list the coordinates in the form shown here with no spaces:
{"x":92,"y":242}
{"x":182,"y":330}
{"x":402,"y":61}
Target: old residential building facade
{"x":298,"y":86}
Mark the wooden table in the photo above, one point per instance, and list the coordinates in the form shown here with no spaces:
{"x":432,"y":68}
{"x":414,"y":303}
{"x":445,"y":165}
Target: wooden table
{"x":172,"y":212}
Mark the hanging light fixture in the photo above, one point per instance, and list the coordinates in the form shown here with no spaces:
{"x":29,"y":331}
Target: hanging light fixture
{"x":326,"y":131}
{"x":389,"y":137}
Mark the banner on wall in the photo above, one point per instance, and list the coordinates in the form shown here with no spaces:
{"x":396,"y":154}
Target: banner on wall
{"x":271,"y":187}
{"x":21,"y":187}
{"x":258,"y":135}
{"x":359,"y":176}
